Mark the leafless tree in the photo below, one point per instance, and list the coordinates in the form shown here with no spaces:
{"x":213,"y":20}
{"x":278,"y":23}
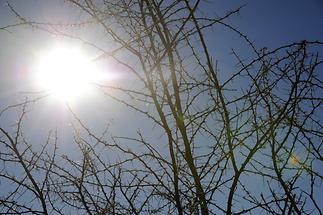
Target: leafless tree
{"x":220,"y":133}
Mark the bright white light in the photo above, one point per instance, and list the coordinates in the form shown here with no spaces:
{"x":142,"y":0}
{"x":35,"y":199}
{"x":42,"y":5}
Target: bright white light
{"x":66,"y":73}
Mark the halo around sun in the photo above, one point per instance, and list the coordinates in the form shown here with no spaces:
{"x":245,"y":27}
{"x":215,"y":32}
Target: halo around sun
{"x":66,"y":72}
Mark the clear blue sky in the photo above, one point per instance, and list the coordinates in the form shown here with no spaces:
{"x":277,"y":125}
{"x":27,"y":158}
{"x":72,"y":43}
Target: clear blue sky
{"x":268,"y":23}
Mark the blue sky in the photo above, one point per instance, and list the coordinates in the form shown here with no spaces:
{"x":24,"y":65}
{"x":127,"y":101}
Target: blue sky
{"x":267,"y":23}
{"x":271,"y":23}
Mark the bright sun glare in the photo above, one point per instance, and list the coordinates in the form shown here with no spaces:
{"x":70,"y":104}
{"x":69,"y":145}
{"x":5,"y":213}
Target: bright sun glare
{"x":67,"y":73}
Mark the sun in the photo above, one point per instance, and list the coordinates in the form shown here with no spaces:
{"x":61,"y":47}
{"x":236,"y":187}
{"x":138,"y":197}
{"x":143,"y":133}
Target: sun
{"x":66,"y":72}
